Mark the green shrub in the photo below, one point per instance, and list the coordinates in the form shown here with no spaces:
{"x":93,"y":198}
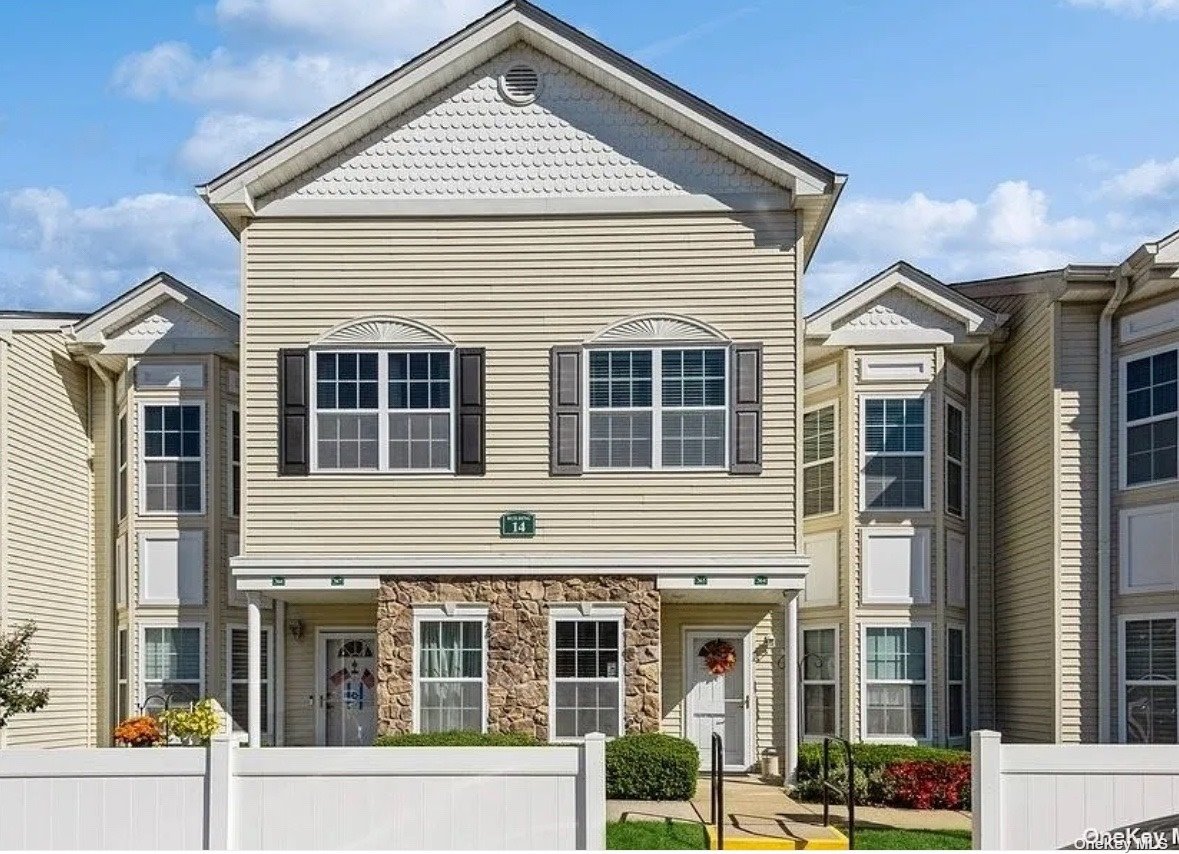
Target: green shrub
{"x":811,"y":788}
{"x":458,"y":738}
{"x":871,"y":760}
{"x":651,"y":766}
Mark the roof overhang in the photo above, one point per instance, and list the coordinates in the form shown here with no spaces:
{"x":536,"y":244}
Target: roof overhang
{"x":241,"y":193}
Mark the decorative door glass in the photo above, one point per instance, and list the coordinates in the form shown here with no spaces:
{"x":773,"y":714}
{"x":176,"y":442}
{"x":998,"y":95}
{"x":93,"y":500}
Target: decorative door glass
{"x":350,"y":695}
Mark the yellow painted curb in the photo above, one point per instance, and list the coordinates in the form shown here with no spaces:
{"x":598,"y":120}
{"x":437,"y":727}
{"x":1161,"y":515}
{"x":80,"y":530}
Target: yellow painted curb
{"x":743,"y":842}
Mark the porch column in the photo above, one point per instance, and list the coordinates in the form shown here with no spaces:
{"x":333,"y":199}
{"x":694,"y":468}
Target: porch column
{"x":254,"y":667}
{"x":793,"y":701}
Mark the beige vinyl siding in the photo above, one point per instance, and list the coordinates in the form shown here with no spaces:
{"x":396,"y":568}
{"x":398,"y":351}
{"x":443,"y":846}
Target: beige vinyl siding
{"x":519,"y":286}
{"x":48,"y":572}
{"x":1026,"y":661}
{"x":1076,"y":417}
{"x":983,"y":639}
{"x":768,"y":695}
{"x":102,"y":431}
{"x":302,"y":690}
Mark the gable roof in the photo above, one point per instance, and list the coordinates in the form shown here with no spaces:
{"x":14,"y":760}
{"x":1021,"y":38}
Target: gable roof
{"x":129,"y":306}
{"x":977,"y":319}
{"x":234,"y":195}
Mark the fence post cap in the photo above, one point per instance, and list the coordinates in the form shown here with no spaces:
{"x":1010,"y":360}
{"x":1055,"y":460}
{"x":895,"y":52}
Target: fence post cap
{"x":986,"y":734}
{"x":595,"y":736}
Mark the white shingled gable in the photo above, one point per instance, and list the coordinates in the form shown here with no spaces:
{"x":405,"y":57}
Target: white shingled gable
{"x":897,"y":314}
{"x":575,"y":139}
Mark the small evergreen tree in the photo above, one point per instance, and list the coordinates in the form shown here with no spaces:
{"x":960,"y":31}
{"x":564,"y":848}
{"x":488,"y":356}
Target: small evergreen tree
{"x":16,"y":672}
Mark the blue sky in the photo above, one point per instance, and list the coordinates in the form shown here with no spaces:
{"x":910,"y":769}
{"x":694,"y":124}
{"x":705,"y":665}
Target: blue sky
{"x":980,"y":137}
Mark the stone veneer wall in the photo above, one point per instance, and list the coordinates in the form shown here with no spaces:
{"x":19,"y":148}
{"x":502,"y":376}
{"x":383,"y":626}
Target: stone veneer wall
{"x":517,"y":645}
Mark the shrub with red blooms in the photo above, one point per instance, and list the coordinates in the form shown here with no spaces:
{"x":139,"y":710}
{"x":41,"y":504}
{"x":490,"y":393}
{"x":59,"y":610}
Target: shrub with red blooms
{"x":927,"y":785}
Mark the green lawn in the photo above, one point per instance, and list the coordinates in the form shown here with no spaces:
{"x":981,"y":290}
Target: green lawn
{"x":888,"y":838}
{"x":646,"y":835}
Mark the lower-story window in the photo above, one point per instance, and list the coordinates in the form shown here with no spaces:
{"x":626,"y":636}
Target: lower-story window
{"x":173,"y":671}
{"x":451,"y":674}
{"x":121,"y":711}
{"x":955,"y":682}
{"x":820,"y":670}
{"x":237,"y":683}
{"x":1149,"y":674}
{"x":587,"y":676}
{"x":896,"y":682}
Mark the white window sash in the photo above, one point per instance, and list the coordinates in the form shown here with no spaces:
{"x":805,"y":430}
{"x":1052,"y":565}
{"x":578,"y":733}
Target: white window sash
{"x":144,"y":459}
{"x":566,"y":617}
{"x":956,"y":683}
{"x":244,"y":684}
{"x":926,"y":627}
{"x":234,"y":465}
{"x":431,"y":615}
{"x":141,"y":658}
{"x":1126,"y":424}
{"x":382,"y":411}
{"x":656,"y":409}
{"x":958,"y":459}
{"x":823,"y":461}
{"x":1127,"y":684}
{"x":865,"y":455}
{"x":807,"y":682}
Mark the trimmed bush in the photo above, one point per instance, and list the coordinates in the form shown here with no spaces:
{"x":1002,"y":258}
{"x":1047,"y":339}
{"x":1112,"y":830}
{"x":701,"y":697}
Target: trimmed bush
{"x":651,"y":766}
{"x":877,"y":783}
{"x":458,"y":738}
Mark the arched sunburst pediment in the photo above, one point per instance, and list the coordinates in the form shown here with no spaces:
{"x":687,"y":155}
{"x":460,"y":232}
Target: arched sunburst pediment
{"x":659,"y":327}
{"x":382,"y":330}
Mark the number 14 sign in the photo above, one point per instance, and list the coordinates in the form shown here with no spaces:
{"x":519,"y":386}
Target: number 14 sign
{"x":517,"y":523}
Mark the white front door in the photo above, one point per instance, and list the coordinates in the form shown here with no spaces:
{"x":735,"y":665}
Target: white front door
{"x":717,"y":702}
{"x":348,"y":688}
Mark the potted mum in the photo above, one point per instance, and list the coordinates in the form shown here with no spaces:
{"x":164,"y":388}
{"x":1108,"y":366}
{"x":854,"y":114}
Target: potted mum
{"x":138,"y":731}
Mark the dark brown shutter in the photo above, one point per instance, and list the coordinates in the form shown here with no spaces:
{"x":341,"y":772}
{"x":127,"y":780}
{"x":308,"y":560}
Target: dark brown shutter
{"x":293,"y":412}
{"x":565,"y":411}
{"x":746,"y":409}
{"x":471,"y":411}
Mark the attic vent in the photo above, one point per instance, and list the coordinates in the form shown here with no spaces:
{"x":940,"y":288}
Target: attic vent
{"x":519,"y":84}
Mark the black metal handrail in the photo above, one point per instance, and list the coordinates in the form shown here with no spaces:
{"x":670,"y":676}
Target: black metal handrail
{"x":848,"y":792}
{"x":717,"y":781}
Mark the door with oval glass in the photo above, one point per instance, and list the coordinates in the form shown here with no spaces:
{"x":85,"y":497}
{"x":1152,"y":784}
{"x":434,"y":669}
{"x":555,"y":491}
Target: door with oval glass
{"x":347,"y":689}
{"x":717,"y":694}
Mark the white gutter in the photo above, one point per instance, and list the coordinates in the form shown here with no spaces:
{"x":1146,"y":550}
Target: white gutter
{"x":975,"y":371}
{"x":1104,"y":497}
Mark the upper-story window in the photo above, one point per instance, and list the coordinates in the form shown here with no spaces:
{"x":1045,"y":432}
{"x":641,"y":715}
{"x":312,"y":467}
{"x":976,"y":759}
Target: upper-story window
{"x":173,"y":458}
{"x":660,"y":408}
{"x":894,"y":462}
{"x":955,"y":456}
{"x":121,"y":476}
{"x":818,"y":461}
{"x":1151,"y":417}
{"x":235,"y":462}
{"x":383,"y":410}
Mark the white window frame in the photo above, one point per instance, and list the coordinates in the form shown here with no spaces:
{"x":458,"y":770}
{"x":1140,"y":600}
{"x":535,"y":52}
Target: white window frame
{"x":960,"y":461}
{"x":803,"y":628}
{"x":1123,"y":682}
{"x":833,"y":459}
{"x":1124,"y":425}
{"x":141,"y":653}
{"x":382,"y":411}
{"x":656,"y":408}
{"x":922,"y":538}
{"x":147,"y":535}
{"x":141,"y":429}
{"x":461,"y":612}
{"x":863,"y":399}
{"x":953,"y":626}
{"x":267,"y":685}
{"x":122,"y":465}
{"x":122,"y":680}
{"x":231,"y":465}
{"x":1125,"y":549}
{"x":592,"y":613}
{"x":899,"y":623}
{"x":122,"y":576}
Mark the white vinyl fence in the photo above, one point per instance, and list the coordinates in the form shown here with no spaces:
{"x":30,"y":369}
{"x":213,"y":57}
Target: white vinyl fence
{"x":227,"y":797}
{"x":1051,"y":795}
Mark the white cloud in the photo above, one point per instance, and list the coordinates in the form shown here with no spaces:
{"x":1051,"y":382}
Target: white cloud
{"x":1134,"y":8}
{"x":389,"y":27}
{"x":1153,"y":180}
{"x":1011,"y":230}
{"x":222,"y":139}
{"x":63,"y":255}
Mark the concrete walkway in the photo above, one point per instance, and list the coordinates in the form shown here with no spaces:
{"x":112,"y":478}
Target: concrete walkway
{"x":750,"y":801}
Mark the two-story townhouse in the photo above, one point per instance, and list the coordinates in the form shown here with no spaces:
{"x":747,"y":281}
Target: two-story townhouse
{"x":118,"y":507}
{"x":895,"y":397}
{"x":520,"y":394}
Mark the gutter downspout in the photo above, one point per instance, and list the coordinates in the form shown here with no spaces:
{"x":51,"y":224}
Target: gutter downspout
{"x":1104,"y":497}
{"x":975,"y":371}
{"x":112,"y":665}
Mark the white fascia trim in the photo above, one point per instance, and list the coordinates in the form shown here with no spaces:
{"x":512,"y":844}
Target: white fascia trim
{"x":447,"y":610}
{"x":522,"y":563}
{"x":141,"y":298}
{"x":8,"y":325}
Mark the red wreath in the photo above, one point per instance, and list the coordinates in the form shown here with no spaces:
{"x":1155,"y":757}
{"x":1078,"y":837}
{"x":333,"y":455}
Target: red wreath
{"x":719,"y":656}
